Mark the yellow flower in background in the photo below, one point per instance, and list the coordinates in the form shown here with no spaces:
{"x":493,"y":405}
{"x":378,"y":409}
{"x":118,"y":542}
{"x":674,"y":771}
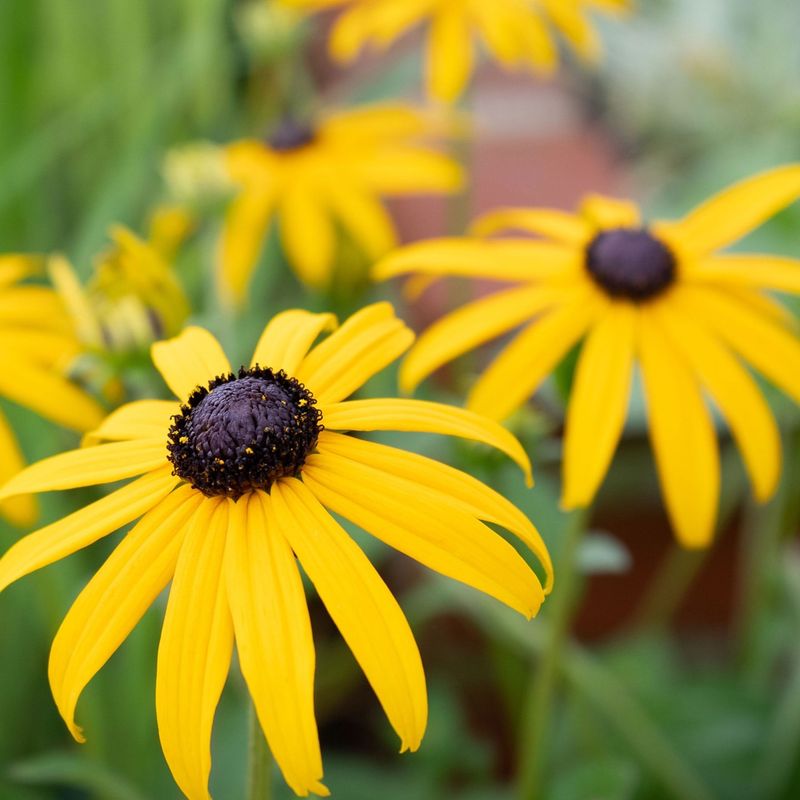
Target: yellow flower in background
{"x":654,"y":294}
{"x":133,"y":296}
{"x":237,"y":477}
{"x":313,"y":179}
{"x":37,"y":345}
{"x":516,"y":33}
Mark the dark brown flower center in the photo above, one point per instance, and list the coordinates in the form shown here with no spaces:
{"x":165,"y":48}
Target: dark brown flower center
{"x":243,"y":432}
{"x":291,"y":134}
{"x":630,"y":262}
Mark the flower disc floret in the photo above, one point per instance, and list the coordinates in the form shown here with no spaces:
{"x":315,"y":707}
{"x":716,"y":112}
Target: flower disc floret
{"x":630,"y":263}
{"x":244,"y":431}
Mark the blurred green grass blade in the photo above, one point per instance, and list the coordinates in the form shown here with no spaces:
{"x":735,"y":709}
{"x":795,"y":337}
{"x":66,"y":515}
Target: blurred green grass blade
{"x":71,"y":770}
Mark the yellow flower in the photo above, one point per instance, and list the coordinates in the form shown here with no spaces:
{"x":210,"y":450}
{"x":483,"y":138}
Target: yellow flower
{"x":658,"y":295}
{"x":314,"y":178}
{"x":37,"y":345}
{"x":133,"y":297}
{"x":236,"y":477}
{"x":515,"y":32}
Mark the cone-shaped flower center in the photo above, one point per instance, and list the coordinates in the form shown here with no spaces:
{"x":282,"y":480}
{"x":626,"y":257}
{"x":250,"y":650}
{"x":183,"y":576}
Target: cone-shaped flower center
{"x":630,"y":262}
{"x":243,"y":432}
{"x":291,"y":134}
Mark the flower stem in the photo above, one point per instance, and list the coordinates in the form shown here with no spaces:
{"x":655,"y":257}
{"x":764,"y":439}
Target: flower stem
{"x":259,"y":768}
{"x":541,"y":690}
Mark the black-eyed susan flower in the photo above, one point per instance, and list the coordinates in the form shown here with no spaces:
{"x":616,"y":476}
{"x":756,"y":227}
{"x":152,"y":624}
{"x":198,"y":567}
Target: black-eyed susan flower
{"x":659,"y":295}
{"x":37,"y":345}
{"x":517,"y":33}
{"x":234,"y":482}
{"x":133,"y":296}
{"x":316,"y":178}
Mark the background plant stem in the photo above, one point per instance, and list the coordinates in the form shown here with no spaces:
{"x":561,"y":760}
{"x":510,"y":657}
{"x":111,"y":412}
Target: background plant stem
{"x":542,"y":688}
{"x":259,"y":768}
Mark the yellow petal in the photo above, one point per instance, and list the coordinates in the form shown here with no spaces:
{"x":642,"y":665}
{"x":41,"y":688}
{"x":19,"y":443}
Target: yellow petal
{"x":389,"y":414}
{"x":34,"y":306}
{"x":502,"y":260}
{"x":287,"y":338}
{"x":369,"y":618}
{"x":557,"y":225}
{"x":307,"y":234}
{"x":83,"y":527}
{"x":519,"y":369}
{"x":735,"y":211}
{"x":472,"y":325}
{"x":571,"y":20}
{"x":376,"y":124}
{"x":682,"y":434}
{"x":598,"y":403}
{"x":16,"y":266}
{"x":736,"y":394}
{"x":21,"y":510}
{"x":194,"y":654}
{"x":450,"y":53}
{"x":47,"y":393}
{"x":435,"y":534}
{"x":116,"y":598}
{"x":273,"y":638}
{"x":190,"y":360}
{"x":243,"y":235}
{"x":759,"y":271}
{"x":46,"y":348}
{"x":141,"y":419}
{"x":366,"y":343}
{"x":769,"y":347}
{"x":608,"y":212}
{"x":349,"y":33}
{"x":103,"y":463}
{"x":363,"y":217}
{"x":409,"y":170}
{"x":445,"y":484}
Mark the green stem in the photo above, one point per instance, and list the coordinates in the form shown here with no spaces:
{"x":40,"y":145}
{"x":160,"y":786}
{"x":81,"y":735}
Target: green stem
{"x":259,"y":768}
{"x":541,"y":691}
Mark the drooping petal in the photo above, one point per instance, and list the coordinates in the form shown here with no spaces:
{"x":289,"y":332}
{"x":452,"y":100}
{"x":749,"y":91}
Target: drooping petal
{"x":307,"y":234}
{"x":194,"y":653}
{"x":273,"y":638}
{"x":287,"y":338}
{"x":46,"y":348}
{"x":759,"y":271}
{"x":190,"y":360}
{"x":103,"y":463}
{"x":519,"y":368}
{"x":735,"y":211}
{"x":769,"y":347}
{"x":598,"y":403}
{"x":36,"y":306}
{"x":390,"y":414}
{"x":116,"y":598}
{"x":364,"y":610}
{"x":472,"y":325}
{"x":450,"y":53}
{"x":365,"y":343}
{"x":435,"y":534}
{"x":609,"y":212}
{"x":682,"y":434}
{"x":246,"y":226}
{"x":737,"y":395}
{"x":557,"y":225}
{"x":83,"y":527}
{"x":16,"y":266}
{"x":47,"y":393}
{"x":501,"y":260}
{"x":443,"y":483}
{"x":141,"y":419}
{"x":363,"y":217}
{"x":21,"y":510}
